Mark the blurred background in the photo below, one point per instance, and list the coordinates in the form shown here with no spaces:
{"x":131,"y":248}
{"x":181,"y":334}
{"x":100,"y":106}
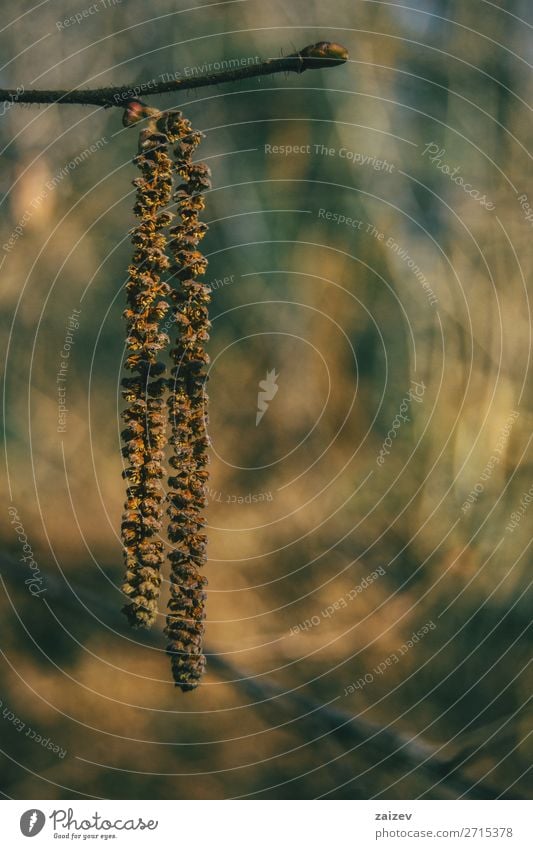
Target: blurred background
{"x":369,"y":243}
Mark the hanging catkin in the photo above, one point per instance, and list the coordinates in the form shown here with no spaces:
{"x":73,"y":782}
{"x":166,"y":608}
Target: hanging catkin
{"x":149,"y":298}
{"x":187,"y":408}
{"x":145,"y":433}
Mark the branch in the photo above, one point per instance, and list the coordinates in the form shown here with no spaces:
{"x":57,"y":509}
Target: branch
{"x":387,"y":745}
{"x":324,"y":54}
{"x":392,"y":748}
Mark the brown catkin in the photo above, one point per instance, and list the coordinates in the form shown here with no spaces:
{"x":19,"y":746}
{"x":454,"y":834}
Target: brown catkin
{"x":145,"y":433}
{"x":187,"y":410}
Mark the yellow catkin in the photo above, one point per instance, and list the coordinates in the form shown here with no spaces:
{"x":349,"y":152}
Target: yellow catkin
{"x":145,"y":433}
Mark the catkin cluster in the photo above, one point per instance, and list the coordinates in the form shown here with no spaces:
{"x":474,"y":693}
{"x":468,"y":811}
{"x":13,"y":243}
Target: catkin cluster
{"x":187,"y":408}
{"x":164,"y":275}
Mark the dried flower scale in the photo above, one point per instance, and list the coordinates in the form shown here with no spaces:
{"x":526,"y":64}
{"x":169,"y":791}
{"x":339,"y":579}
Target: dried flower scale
{"x":156,"y":282}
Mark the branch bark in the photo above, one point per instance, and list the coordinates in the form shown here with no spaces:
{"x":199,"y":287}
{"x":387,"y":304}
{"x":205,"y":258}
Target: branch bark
{"x":324,"y":54}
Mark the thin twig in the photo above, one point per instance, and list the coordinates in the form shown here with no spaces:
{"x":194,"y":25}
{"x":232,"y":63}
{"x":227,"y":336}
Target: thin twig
{"x":324,"y":54}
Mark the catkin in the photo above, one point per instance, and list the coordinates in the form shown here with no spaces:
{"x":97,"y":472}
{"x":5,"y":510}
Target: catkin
{"x":145,"y":433}
{"x":187,"y":410}
{"x":164,"y":273}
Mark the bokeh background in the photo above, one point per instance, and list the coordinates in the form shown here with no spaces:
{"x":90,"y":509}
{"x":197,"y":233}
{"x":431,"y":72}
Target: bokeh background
{"x":428,"y":289}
